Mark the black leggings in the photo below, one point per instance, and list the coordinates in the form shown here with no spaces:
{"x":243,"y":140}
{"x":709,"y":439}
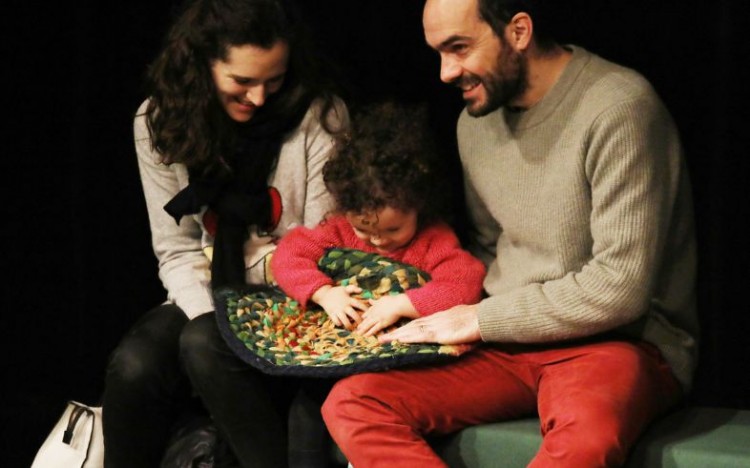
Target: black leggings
{"x":165,"y":361}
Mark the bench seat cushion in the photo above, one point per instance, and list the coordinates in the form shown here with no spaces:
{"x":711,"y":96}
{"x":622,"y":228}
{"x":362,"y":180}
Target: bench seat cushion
{"x":693,"y":437}
{"x":696,"y":437}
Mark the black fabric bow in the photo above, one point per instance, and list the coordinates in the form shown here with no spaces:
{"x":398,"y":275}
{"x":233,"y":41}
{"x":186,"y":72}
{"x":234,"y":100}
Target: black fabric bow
{"x":238,"y":195}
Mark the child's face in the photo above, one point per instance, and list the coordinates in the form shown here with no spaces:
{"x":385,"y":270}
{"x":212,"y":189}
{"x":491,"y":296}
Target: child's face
{"x":387,"y":229}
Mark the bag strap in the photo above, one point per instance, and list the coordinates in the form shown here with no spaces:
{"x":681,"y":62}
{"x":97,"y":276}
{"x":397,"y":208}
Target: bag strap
{"x":75,"y":415}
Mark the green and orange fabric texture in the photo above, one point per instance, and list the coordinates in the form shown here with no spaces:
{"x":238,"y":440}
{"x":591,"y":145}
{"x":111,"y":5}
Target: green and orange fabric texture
{"x":274,"y":333}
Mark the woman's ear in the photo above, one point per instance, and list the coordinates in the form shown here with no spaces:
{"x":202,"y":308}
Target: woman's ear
{"x":520,"y":30}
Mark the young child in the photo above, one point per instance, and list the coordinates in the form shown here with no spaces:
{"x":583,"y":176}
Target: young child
{"x":386,"y":193}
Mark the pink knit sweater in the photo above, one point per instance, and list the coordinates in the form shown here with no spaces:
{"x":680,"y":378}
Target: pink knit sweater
{"x":456,"y":274}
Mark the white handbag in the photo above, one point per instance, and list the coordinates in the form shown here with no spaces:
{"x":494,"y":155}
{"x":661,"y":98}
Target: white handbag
{"x":75,"y":441}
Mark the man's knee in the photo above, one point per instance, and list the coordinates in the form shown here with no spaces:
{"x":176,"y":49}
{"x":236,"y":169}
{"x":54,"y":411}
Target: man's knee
{"x":348,"y":397}
{"x":583,"y":443}
{"x":336,"y":404}
{"x":372,"y":397}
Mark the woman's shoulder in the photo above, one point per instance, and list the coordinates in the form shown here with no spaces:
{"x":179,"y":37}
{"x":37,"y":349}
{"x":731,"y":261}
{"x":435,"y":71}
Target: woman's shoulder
{"x":142,"y":107}
{"x":331,"y":114}
{"x":140,"y":127}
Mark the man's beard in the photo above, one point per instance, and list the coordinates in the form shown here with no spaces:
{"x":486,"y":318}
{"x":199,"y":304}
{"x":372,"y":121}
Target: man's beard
{"x":505,"y":82}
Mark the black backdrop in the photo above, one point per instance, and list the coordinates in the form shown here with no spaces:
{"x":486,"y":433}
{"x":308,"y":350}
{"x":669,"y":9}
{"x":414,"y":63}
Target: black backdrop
{"x":78,"y":266}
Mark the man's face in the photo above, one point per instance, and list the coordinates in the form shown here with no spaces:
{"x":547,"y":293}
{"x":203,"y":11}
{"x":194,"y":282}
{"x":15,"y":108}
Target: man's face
{"x":488,"y":70}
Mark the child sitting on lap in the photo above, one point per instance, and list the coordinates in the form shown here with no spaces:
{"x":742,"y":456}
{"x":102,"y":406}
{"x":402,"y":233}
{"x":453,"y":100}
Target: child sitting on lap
{"x":386,"y":193}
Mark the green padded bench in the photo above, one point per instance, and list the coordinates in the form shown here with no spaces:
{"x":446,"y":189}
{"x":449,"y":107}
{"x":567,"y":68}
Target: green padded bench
{"x":697,"y":437}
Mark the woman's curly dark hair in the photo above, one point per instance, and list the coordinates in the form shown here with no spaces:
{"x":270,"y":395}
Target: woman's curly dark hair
{"x":185,"y":118}
{"x":388,"y":159}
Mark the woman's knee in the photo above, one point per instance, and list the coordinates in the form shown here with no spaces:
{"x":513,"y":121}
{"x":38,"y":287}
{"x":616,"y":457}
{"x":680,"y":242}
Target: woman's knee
{"x":131,"y":363}
{"x":200,"y":346}
{"x":148,"y":349}
{"x":195,"y":335}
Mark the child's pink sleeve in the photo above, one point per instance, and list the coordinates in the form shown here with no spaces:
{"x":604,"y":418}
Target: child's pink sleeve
{"x":456,"y":274}
{"x":295,"y":261}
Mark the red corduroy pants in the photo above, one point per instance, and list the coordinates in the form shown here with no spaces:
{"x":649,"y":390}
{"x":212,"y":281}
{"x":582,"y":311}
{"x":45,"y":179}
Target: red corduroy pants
{"x":593,"y":401}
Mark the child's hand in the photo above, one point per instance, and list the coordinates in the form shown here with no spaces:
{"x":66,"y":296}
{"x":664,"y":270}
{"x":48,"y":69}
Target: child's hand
{"x":384,"y":312}
{"x":343,"y":309}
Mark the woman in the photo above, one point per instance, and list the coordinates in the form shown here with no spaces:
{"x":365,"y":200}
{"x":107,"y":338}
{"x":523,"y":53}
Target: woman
{"x":230,"y":144}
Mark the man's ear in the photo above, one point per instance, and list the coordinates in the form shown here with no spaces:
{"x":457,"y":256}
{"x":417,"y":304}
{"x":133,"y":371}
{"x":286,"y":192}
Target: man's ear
{"x":520,"y":30}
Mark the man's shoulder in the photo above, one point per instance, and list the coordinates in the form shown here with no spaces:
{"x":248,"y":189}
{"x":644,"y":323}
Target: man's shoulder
{"x":609,"y":82}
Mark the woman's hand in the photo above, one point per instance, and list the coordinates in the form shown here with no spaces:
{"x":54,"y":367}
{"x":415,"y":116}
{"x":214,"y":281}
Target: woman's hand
{"x":343,"y":309}
{"x":457,"y":325}
{"x":384,"y":312}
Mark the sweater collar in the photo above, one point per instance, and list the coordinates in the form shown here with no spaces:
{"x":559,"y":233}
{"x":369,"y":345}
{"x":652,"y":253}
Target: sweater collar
{"x":540,"y":111}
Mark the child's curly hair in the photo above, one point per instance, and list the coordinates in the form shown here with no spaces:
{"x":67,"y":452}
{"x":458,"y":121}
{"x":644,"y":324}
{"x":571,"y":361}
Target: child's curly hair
{"x":386,"y":160}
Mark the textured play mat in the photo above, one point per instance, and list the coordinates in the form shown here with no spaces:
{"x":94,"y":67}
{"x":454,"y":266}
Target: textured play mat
{"x":275,"y":334}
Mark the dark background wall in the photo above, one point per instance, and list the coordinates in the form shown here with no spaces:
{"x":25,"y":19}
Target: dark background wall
{"x":78,"y":266}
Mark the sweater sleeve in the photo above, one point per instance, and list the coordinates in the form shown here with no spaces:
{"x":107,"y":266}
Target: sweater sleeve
{"x":183,"y":267}
{"x":295,"y":261}
{"x":456,"y":276}
{"x":632,"y":164}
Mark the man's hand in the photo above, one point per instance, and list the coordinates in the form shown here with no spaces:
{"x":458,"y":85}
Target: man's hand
{"x":456,"y":325}
{"x":343,"y":309}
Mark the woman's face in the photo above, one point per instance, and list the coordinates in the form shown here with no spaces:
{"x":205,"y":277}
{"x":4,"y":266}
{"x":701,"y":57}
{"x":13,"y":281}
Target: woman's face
{"x":248,"y":76}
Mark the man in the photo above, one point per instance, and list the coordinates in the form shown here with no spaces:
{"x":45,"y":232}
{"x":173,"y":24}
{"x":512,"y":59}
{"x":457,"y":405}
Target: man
{"x":580,"y":208}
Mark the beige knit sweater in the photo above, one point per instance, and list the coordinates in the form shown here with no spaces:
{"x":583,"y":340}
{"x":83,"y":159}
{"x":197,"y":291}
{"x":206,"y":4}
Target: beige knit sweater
{"x":582,"y":212}
{"x":183,"y":249}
